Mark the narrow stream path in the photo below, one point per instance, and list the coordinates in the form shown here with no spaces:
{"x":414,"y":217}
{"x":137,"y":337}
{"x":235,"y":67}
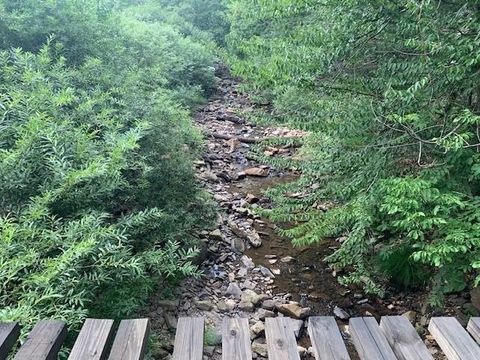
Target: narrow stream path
{"x":249,"y":270}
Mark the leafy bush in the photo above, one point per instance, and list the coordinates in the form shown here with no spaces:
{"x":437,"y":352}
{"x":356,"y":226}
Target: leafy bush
{"x":389,"y":92}
{"x":98,"y":197}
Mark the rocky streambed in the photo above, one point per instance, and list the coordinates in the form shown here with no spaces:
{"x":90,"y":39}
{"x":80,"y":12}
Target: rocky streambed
{"x":249,"y":270}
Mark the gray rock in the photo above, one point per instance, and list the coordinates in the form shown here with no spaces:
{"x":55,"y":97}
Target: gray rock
{"x":340,"y":313}
{"x":204,"y":305}
{"x":266,"y":272}
{"x":250,"y":296}
{"x":234,"y":290}
{"x":475,"y":297}
{"x":260,"y":348}
{"x":168,"y":304}
{"x":246,"y":306}
{"x":171,"y":321}
{"x":257,"y":329}
{"x":263,"y":313}
{"x":247,"y":262}
{"x":216,"y":235}
{"x":268,"y":304}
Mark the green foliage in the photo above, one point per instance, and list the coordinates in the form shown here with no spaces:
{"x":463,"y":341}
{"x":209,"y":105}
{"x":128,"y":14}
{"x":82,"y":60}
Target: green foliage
{"x":389,"y":91}
{"x":98,"y":197}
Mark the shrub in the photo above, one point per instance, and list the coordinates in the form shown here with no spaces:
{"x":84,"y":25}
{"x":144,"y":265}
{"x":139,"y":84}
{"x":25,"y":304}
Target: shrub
{"x":98,"y":199}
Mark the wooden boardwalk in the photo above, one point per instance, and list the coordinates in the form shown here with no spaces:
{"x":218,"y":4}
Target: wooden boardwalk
{"x":393,"y":339}
{"x":93,"y":343}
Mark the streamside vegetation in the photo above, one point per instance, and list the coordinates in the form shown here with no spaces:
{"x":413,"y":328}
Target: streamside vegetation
{"x":390,"y":93}
{"x":97,"y":195}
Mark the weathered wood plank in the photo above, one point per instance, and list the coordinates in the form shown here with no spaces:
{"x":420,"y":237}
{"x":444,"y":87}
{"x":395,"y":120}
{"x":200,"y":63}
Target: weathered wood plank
{"x":326,"y":339}
{"x":474,"y":328}
{"x":281,"y":342}
{"x":369,"y":340}
{"x":92,"y":341}
{"x":189,"y":339}
{"x":131,"y":340}
{"x":453,"y":339}
{"x":9,"y":333}
{"x":236,"y":339}
{"x":44,"y":341}
{"x":404,"y":339}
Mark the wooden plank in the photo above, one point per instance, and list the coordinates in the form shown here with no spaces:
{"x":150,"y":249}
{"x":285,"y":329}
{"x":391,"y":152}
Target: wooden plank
{"x":9,"y":333}
{"x":369,"y":340}
{"x":453,"y":339}
{"x":44,"y":341}
{"x":92,"y":341}
{"x":474,"y":328}
{"x":236,"y":339}
{"x":131,"y":340}
{"x":281,"y":342}
{"x":404,"y":339}
{"x":189,"y":339}
{"x":326,"y":339}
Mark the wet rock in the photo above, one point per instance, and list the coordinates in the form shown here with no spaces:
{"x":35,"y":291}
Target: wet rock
{"x":256,"y":171}
{"x":293,"y":310}
{"x":340,"y":313}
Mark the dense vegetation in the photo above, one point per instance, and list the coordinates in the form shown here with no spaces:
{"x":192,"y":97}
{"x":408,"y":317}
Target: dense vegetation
{"x":390,"y":92}
{"x":98,"y":199}
{"x":97,"y":194}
